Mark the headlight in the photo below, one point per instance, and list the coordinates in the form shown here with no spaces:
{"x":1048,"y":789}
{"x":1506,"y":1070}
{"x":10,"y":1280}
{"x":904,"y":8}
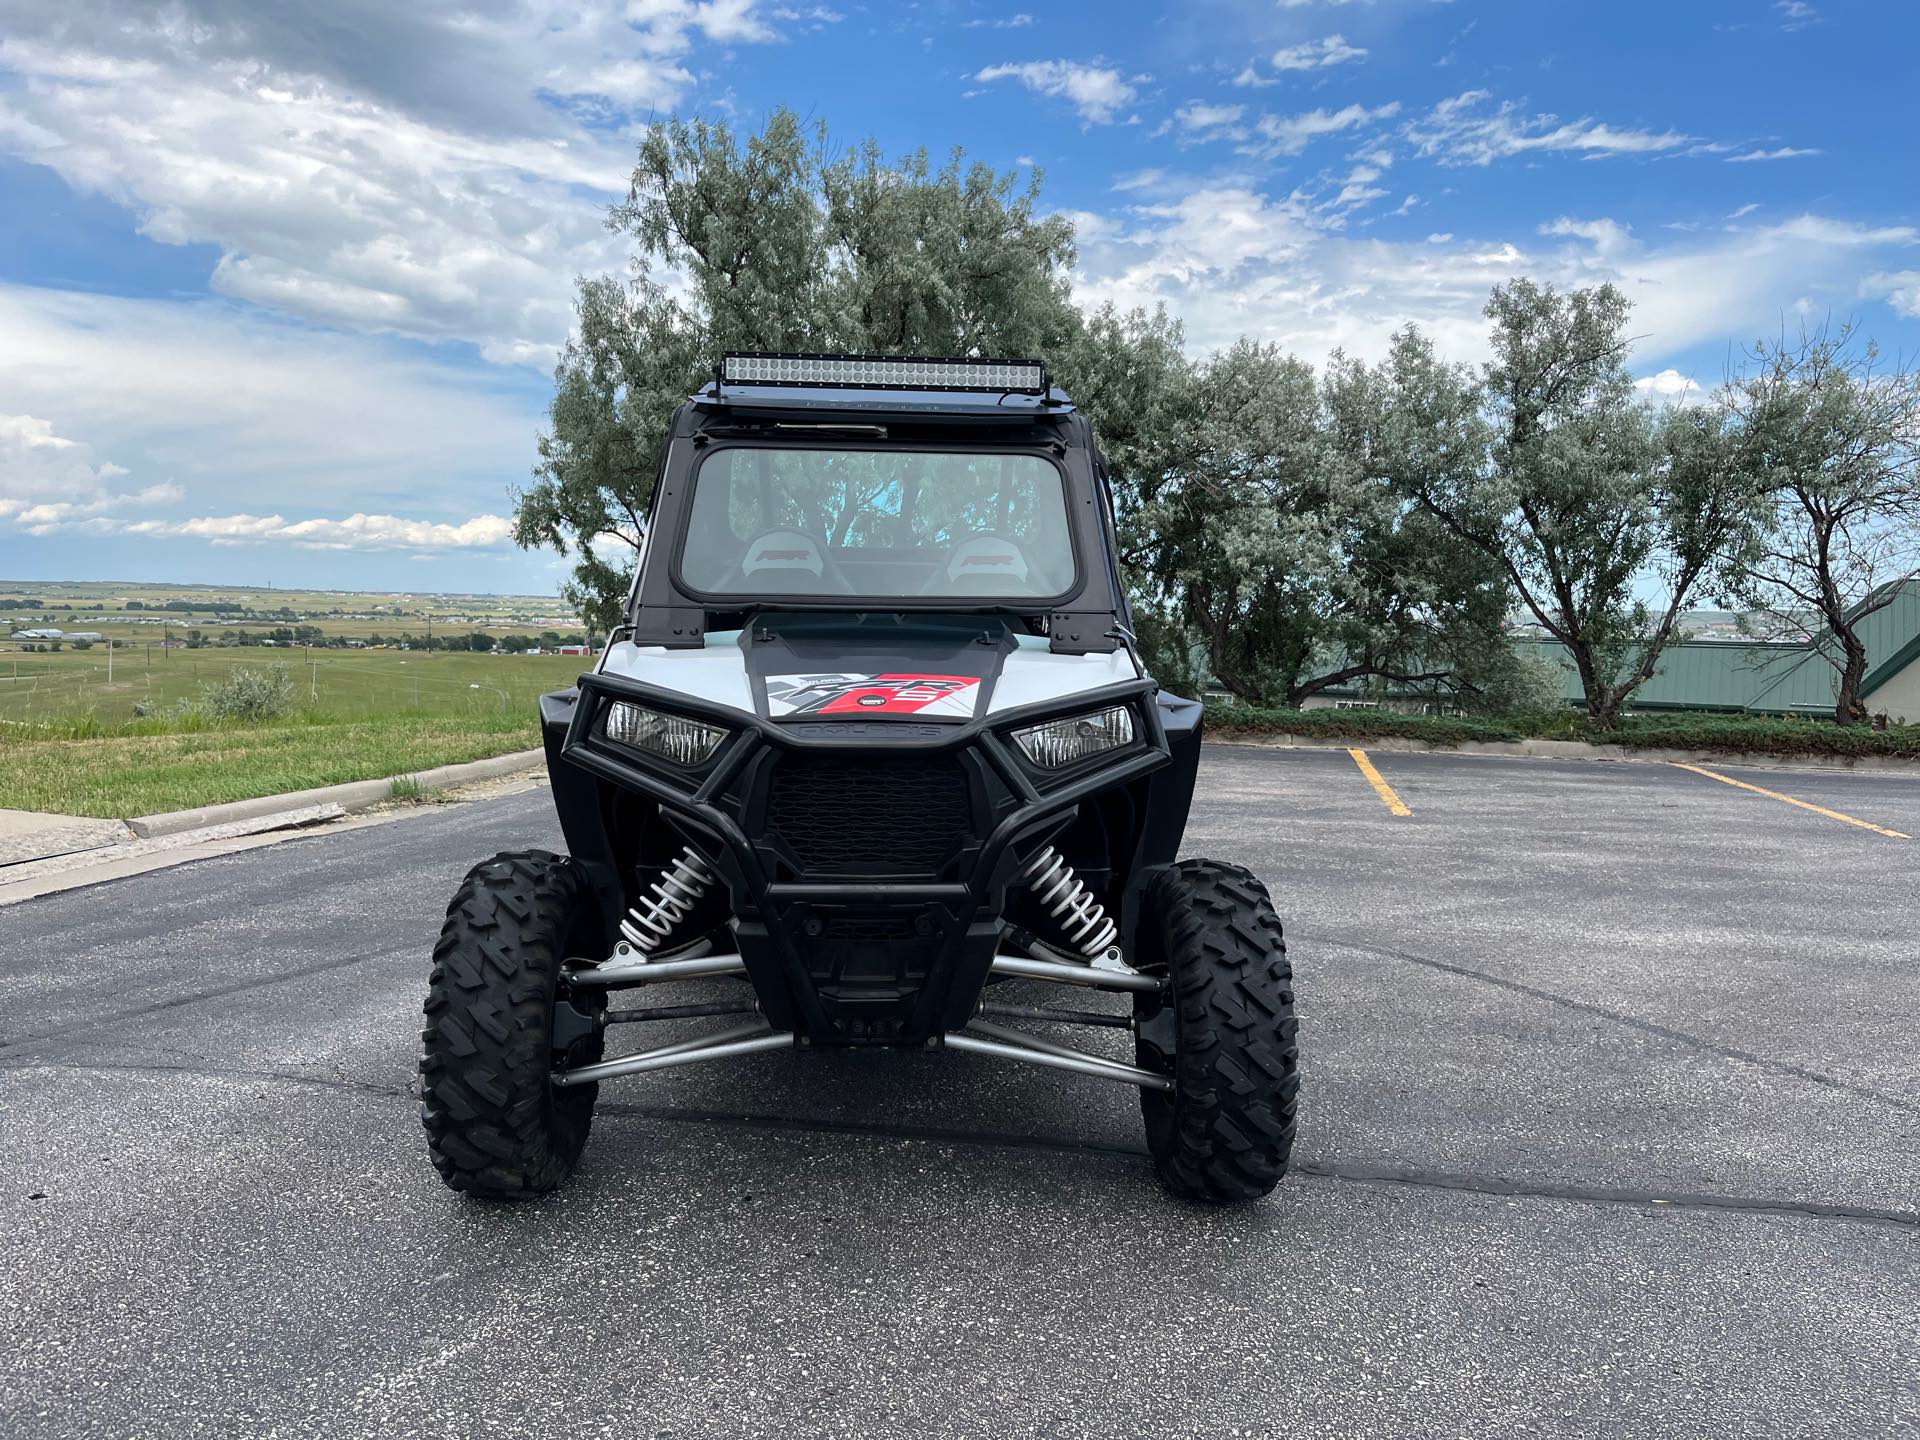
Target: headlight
{"x":1061,"y":742}
{"x":671,"y":737}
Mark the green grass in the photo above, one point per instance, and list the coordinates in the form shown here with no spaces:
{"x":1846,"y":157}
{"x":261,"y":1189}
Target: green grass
{"x":36,"y":688}
{"x":1230,"y":721}
{"x":141,"y":768}
{"x":407,"y":790}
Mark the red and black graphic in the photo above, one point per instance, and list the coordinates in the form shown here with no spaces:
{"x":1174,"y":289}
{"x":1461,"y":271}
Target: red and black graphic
{"x":950,"y":696}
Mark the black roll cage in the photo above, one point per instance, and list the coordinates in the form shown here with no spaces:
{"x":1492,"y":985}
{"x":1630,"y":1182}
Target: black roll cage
{"x":1089,"y":617}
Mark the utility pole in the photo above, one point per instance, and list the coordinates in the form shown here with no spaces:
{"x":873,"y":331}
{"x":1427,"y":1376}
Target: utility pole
{"x":109,"y":660}
{"x":313,"y":666}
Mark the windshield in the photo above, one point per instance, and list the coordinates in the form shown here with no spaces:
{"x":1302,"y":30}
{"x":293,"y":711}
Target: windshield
{"x":890,"y":523}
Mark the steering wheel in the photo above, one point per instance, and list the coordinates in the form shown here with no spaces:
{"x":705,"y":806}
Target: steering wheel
{"x":986,"y":564}
{"x":792,"y":562}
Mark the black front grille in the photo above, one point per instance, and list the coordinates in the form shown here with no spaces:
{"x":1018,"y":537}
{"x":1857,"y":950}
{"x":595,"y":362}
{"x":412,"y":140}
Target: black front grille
{"x":869,"y":814}
{"x":868,"y":929}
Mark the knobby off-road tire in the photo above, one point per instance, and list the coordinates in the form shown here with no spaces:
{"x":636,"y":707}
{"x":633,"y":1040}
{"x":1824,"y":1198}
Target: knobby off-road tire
{"x":497,"y":1127}
{"x":1224,"y":1030}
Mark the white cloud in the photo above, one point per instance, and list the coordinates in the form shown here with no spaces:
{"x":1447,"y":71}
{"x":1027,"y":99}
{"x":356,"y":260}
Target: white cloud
{"x":1606,"y":236}
{"x":1743,"y":211}
{"x":1231,"y":261}
{"x":1796,"y":14}
{"x":1672,"y":387}
{"x":1785,"y":152}
{"x":246,"y":411}
{"x":49,"y":484}
{"x":1007,"y":22}
{"x":813,"y":16}
{"x":1309,"y":55}
{"x":387,"y":168}
{"x":1900,"y":289}
{"x":1317,"y":54}
{"x":1098,"y":91}
{"x":354,"y":532}
{"x":1291,"y":134}
{"x":1462,"y":131}
{"x":1198,"y":121}
{"x":48,"y":479}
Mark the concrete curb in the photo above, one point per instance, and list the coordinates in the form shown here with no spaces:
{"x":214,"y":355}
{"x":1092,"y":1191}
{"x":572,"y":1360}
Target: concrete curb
{"x":353,"y":795}
{"x":1573,"y":750}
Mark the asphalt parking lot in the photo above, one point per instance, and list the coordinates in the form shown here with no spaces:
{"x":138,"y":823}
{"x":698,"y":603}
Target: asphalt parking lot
{"x":1611,"y":1126}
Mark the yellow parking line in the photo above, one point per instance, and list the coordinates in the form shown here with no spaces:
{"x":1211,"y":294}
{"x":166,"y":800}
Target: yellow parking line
{"x":1395,"y":805}
{"x":1788,"y":799}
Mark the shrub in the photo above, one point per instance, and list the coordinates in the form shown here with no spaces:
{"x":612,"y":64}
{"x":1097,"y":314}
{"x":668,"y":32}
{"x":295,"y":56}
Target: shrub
{"x":1727,"y":734}
{"x":248,"y":696}
{"x":1529,"y":686}
{"x":1757,"y":735}
{"x":1230,"y":720}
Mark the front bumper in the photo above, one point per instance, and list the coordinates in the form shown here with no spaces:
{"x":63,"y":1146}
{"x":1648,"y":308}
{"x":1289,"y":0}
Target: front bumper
{"x":868,"y":862}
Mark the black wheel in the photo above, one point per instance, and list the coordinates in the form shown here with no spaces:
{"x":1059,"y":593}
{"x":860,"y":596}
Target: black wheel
{"x":1224,"y":1030}
{"x":497,"y":1127}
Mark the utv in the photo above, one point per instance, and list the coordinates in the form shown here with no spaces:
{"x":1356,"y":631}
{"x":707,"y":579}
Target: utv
{"x":872,"y":758}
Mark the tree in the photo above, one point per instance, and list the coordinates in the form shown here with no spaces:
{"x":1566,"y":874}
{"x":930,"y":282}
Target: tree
{"x":1833,"y":444}
{"x":1584,"y":493}
{"x":1293,"y":560}
{"x":776,"y":243}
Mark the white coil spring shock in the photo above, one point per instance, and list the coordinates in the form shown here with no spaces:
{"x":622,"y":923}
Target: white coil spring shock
{"x":1069,"y":901}
{"x":653,"y":918}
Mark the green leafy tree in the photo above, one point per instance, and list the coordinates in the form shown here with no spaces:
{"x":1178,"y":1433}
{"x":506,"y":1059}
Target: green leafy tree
{"x":1294,"y":560}
{"x":1832,"y":442}
{"x":776,"y":242}
{"x":1584,"y":496}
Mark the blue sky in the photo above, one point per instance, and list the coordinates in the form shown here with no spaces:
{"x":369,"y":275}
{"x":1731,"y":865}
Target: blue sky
{"x":281,"y":285}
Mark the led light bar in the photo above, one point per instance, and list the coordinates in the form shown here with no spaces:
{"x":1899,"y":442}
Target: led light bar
{"x":884,"y":372}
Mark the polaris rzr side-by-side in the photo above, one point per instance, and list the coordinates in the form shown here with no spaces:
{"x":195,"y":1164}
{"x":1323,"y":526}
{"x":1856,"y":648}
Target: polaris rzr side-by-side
{"x":873,"y":745}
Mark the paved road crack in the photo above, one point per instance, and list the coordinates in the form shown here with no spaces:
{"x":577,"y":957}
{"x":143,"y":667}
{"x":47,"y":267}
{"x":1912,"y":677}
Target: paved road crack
{"x":93,"y":1024}
{"x":1354,"y":1174}
{"x":1651,"y":1027}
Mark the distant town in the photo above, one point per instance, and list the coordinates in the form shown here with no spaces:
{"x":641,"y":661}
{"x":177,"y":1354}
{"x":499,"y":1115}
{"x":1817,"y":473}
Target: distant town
{"x":51,"y":616}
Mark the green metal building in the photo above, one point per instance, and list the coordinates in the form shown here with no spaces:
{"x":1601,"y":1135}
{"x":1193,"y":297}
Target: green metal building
{"x":1731,"y":677}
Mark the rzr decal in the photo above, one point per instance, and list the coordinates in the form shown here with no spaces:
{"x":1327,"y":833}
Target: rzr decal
{"x":948,"y":696}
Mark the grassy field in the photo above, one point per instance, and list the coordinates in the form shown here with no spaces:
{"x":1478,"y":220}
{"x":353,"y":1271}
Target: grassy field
{"x":118,"y":776}
{"x":41,"y":687}
{"x":71,"y":741}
